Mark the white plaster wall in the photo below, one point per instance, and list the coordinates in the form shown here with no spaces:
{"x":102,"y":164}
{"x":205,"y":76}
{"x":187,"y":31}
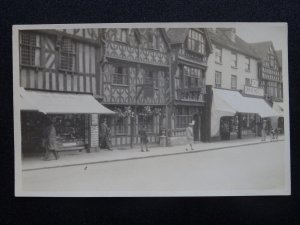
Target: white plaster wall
{"x":226,"y":69}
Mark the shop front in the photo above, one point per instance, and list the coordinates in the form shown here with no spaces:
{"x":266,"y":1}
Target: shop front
{"x":74,"y":116}
{"x":236,"y":116}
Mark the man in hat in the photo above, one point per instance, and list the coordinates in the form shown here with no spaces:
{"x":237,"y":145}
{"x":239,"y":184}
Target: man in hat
{"x":190,"y":135}
{"x":104,"y":135}
{"x":49,"y":139}
{"x":263,"y":130}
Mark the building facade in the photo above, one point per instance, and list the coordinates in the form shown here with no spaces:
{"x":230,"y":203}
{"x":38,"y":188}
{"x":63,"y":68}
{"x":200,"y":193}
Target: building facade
{"x":190,"y":51}
{"x":233,"y":70}
{"x":270,"y":78}
{"x":135,"y":81}
{"x":60,"y":62}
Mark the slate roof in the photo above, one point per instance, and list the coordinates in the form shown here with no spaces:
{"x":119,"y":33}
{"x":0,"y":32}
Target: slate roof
{"x":239,"y":45}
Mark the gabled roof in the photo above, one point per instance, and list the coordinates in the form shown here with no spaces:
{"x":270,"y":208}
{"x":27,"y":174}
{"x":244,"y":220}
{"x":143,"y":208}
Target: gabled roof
{"x":219,"y":37}
{"x":279,"y":55}
{"x":262,"y":49}
{"x":178,"y":36}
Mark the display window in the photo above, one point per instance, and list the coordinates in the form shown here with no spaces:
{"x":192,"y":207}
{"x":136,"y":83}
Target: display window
{"x":70,"y":130}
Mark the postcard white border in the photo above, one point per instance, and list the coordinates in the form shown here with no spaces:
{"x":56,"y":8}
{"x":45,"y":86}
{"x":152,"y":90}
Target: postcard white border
{"x":286,"y":190}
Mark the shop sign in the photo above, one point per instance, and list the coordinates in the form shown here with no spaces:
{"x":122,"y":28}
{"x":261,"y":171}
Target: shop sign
{"x":256,"y":91}
{"x":254,"y":83}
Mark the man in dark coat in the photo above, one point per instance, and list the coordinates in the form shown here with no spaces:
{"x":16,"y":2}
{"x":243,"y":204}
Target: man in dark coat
{"x":49,"y":140}
{"x":104,"y":135}
{"x":144,"y":138}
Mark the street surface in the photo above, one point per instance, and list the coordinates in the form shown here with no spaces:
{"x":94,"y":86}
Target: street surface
{"x":259,"y":167}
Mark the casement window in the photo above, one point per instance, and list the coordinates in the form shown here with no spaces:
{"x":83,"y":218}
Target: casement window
{"x":152,"y":41}
{"x":234,"y":60}
{"x":121,"y":35}
{"x":30,"y":49}
{"x":272,"y":61}
{"x":67,"y":55}
{"x":218,"y":55}
{"x":196,"y":42}
{"x":193,"y":77}
{"x":247,"y":64}
{"x":233,"y":82}
{"x":151,"y":77}
{"x":120,"y":75}
{"x":121,"y":125}
{"x":218,"y":79}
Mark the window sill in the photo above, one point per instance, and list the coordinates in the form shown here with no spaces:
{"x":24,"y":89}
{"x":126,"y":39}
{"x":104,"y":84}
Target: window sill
{"x":220,"y":63}
{"x":66,"y":71}
{"x":32,"y":66}
{"x":234,"y":67}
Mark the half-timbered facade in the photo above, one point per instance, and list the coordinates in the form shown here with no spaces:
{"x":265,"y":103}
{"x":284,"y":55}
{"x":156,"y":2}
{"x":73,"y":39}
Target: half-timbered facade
{"x":61,"y":61}
{"x":190,"y":50}
{"x":135,"y":81}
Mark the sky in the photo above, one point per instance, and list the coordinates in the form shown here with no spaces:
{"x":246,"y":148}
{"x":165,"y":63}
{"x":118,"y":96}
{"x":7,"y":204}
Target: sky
{"x":263,"y":32}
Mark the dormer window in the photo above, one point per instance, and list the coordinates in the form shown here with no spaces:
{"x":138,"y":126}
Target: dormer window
{"x":152,"y":41}
{"x":121,"y":35}
{"x":196,"y":42}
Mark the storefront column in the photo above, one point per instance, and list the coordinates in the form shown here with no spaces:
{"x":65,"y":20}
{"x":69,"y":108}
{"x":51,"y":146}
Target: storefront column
{"x":239,"y":126}
{"x":94,"y":133}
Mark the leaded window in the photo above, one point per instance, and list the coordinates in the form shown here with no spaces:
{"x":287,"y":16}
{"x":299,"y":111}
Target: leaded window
{"x":196,"y":41}
{"x":67,"y":55}
{"x":120,"y":75}
{"x":193,"y":77}
{"x":30,"y":49}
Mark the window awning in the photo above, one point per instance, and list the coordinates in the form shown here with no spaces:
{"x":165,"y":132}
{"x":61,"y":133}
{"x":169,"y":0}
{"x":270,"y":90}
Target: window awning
{"x":60,"y":103}
{"x":233,"y":101}
{"x":279,"y":108}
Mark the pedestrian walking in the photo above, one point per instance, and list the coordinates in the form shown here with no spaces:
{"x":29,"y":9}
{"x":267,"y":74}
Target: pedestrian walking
{"x":190,"y":136}
{"x":104,"y":135}
{"x":263,"y":130}
{"x":49,"y":141}
{"x":144,"y":138}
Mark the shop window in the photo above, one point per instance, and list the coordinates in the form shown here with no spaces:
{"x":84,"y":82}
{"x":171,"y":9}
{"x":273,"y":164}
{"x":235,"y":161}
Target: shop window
{"x":67,"y":55}
{"x":218,"y":79}
{"x":120,"y":75}
{"x":121,"y":125}
{"x":182,"y":118}
{"x":196,"y":41}
{"x":233,"y":82}
{"x":30,"y":49}
{"x":218,"y":55}
{"x":148,"y":121}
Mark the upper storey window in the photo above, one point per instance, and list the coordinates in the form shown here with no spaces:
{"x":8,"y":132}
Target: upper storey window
{"x":152,"y":41}
{"x":272,"y":61}
{"x":196,"y":42}
{"x":234,"y":60}
{"x":218,"y":55}
{"x":30,"y":49}
{"x":67,"y":55}
{"x":120,"y":35}
{"x":247,"y":64}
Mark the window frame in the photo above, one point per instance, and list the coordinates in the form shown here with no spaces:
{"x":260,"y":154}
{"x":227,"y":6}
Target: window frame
{"x":233,"y":81}
{"x":196,"y":42}
{"x":31,"y":61}
{"x":116,"y":75}
{"x":234,"y":60}
{"x":218,"y":77}
{"x":67,"y":55}
{"x":248,"y":64}
{"x":218,"y":57}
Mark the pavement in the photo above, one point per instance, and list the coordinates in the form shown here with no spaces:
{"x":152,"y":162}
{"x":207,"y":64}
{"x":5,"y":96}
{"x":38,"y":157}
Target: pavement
{"x":103,"y":156}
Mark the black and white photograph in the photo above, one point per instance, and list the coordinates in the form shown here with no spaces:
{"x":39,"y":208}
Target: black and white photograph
{"x":151,"y":109}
